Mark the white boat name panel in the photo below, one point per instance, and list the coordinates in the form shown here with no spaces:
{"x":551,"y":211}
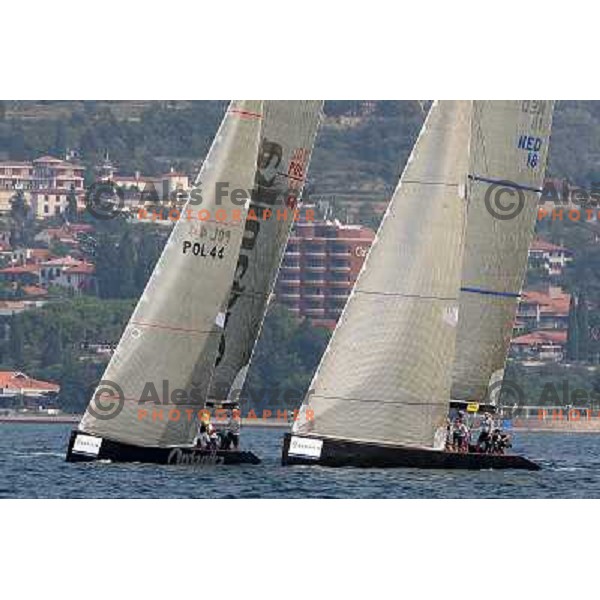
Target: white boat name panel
{"x":306,"y":447}
{"x":87,"y":444}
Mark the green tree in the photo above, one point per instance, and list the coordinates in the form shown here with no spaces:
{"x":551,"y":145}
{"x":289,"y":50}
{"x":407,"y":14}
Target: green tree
{"x":19,"y":210}
{"x":573,"y":332}
{"x":16,"y":343}
{"x":53,"y":349}
{"x":71,"y":212}
{"x":127,"y":266}
{"x":583,"y":328}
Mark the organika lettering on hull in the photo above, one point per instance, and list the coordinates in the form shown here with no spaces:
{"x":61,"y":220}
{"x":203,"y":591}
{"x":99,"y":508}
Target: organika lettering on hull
{"x":287,"y":138}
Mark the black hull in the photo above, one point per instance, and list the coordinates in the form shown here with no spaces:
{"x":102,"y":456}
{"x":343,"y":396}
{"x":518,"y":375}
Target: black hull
{"x":119,"y":452}
{"x":344,"y":453}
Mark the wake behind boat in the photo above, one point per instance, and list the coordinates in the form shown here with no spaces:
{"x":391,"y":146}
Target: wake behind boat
{"x":428,"y":322}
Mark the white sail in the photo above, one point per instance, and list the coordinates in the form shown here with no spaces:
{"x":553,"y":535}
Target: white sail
{"x":171,"y":339}
{"x":287,"y":137}
{"x":385,"y":375}
{"x":509,"y":146}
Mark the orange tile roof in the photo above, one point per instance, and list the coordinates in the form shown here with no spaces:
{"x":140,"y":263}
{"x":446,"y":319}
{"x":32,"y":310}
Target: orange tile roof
{"x":34,"y":290}
{"x":15,"y":380}
{"x":549,"y":304}
{"x":556,"y":336}
{"x":20,"y":269}
{"x":82,"y":269}
{"x":543,"y":245}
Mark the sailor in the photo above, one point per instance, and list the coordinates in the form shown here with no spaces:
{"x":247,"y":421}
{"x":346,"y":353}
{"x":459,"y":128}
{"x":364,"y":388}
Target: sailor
{"x":203,"y":440}
{"x":503,"y":442}
{"x":460,"y":435}
{"x":233,"y":429}
{"x":495,"y":441}
{"x":484,"y":439}
{"x":213,"y":437}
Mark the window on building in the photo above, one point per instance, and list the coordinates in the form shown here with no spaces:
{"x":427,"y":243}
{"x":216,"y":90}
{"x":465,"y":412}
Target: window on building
{"x":46,"y":209}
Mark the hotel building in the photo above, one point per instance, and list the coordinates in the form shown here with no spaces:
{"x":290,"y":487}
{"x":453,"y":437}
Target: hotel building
{"x":321,"y":263}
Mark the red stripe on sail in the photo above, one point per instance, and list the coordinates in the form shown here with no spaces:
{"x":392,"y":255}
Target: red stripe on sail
{"x":246,"y":114}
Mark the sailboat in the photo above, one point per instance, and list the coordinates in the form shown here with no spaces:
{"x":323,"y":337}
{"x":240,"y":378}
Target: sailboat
{"x":153,"y":393}
{"x":427,"y":325}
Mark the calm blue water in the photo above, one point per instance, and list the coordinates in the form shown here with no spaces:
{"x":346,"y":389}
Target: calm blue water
{"x":32,"y":466}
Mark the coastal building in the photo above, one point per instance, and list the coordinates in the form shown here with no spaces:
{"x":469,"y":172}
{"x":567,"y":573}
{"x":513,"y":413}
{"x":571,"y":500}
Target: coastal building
{"x":46,"y":183}
{"x":550,"y":258}
{"x":67,"y":272}
{"x":321,"y":263}
{"x":544,"y":309}
{"x":547,"y":346}
{"x":19,"y":390}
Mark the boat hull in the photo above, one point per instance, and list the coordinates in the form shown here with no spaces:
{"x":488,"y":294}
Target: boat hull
{"x":311,"y":450}
{"x":86,"y":448}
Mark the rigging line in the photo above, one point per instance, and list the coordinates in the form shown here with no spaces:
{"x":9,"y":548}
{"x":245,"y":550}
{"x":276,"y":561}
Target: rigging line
{"x":401,"y":295}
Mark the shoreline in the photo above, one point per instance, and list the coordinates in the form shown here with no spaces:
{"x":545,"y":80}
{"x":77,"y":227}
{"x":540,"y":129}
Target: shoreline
{"x":31,"y":419}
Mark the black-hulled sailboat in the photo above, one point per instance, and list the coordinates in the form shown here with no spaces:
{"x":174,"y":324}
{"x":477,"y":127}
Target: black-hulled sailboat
{"x":429,"y":320}
{"x":175,"y":337}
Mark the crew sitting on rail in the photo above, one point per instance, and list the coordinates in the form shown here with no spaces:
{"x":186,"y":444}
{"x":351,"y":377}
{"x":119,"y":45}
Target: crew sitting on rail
{"x":460,"y":435}
{"x":485,"y":435}
{"x":213,"y":437}
{"x":500,"y":441}
{"x":203,"y":440}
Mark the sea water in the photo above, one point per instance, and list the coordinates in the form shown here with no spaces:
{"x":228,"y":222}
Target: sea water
{"x":32,"y":465}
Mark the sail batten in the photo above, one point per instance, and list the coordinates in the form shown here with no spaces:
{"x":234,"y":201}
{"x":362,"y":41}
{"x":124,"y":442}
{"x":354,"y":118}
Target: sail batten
{"x":160,"y":371}
{"x":385,"y":375}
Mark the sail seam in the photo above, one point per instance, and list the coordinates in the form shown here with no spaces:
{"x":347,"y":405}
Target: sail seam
{"x":170,"y":328}
{"x":399,"y":402}
{"x":401,"y":295}
{"x":446,"y":183}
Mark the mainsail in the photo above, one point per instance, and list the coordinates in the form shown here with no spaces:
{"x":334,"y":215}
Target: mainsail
{"x":166,"y":355}
{"x":509,"y":146}
{"x":287,"y":137}
{"x":385,"y":375}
